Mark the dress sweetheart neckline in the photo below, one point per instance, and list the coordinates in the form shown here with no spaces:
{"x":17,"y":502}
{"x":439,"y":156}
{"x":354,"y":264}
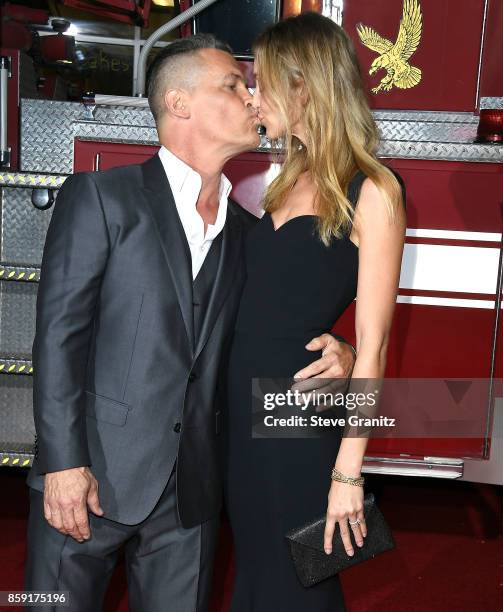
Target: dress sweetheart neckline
{"x":276,"y":230}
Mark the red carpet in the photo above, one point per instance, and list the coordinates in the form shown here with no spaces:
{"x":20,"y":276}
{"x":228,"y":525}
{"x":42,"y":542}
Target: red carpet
{"x":449,"y":554}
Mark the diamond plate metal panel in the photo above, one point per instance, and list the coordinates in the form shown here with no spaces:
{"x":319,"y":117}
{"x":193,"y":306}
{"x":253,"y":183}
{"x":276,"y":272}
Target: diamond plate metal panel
{"x":442,"y":151}
{"x":17,"y":319}
{"x":46,"y":135}
{"x":428,"y":131}
{"x":23,"y":227}
{"x":422,"y":126}
{"x":17,"y":433}
{"x":47,"y":131}
{"x":132,"y":134}
{"x":46,"y":149}
{"x":124,"y":115}
{"x":421,"y":116}
{"x":491,"y":103}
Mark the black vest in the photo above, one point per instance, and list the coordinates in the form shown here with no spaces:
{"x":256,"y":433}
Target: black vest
{"x":203,"y":284}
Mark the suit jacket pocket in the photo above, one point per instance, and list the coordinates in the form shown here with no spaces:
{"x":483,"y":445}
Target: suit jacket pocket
{"x":105,"y":409}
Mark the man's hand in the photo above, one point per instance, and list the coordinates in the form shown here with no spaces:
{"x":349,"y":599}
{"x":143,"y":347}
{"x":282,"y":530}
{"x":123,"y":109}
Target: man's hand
{"x":337,"y":361}
{"x":66,"y":497}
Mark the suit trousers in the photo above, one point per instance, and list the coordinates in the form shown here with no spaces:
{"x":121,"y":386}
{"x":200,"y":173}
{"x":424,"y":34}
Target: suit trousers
{"x":168,"y":567}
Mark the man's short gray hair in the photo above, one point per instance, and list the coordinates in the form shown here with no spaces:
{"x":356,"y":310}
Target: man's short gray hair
{"x":176,"y":66}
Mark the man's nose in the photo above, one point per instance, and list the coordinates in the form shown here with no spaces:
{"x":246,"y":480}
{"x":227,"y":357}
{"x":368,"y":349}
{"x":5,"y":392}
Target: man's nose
{"x":248,"y":100}
{"x":247,"y":97}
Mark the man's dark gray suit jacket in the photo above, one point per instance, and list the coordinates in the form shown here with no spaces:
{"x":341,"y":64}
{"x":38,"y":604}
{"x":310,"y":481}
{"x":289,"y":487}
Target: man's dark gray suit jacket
{"x":116,"y":369}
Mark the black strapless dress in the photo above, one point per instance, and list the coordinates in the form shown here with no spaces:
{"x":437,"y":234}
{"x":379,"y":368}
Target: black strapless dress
{"x":296,"y":289}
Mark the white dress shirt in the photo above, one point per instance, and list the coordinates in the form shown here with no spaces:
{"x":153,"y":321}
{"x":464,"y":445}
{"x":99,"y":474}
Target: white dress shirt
{"x":186,"y":186}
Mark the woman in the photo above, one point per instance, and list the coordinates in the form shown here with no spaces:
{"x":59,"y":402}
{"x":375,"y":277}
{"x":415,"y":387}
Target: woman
{"x":333,"y":230}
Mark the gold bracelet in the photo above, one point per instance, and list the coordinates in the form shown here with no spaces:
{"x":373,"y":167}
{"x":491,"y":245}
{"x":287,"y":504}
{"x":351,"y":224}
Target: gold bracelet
{"x":340,"y":477}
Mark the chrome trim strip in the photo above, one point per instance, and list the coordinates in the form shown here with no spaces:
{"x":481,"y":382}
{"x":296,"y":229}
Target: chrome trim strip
{"x":105,"y":100}
{"x":431,"y":467}
{"x":413,"y":471}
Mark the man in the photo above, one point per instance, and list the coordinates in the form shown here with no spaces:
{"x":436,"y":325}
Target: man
{"x":142,"y":275}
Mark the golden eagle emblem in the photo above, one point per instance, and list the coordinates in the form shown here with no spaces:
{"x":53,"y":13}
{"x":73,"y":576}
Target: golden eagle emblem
{"x":393,"y":57}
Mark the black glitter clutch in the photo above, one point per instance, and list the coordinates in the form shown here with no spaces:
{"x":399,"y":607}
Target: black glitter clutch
{"x":312,"y":563}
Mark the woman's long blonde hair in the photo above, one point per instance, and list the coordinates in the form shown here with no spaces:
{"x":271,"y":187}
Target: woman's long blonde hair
{"x":314,"y":52}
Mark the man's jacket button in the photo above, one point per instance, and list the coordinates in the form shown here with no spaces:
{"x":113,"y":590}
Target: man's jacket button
{"x":177,"y":428}
{"x":192,"y":377}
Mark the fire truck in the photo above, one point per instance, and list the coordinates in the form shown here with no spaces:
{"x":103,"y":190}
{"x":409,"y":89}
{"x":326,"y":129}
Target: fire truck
{"x":443,"y":134}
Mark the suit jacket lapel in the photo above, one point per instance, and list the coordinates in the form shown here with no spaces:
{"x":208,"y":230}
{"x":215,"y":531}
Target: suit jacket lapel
{"x":229,"y":259}
{"x":170,"y":233}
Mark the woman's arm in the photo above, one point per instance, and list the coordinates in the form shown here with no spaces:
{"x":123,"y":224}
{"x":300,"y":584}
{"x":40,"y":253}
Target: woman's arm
{"x":380,"y":241}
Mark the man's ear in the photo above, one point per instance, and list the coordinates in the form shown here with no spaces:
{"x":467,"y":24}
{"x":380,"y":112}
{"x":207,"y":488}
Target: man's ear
{"x":177,"y":103}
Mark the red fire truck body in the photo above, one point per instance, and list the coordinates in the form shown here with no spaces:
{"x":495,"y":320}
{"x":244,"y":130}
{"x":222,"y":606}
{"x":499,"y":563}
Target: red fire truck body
{"x":447,"y":324}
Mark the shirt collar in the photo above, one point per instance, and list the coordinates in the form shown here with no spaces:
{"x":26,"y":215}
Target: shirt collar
{"x":185,"y":184}
{"x":178,"y":172}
